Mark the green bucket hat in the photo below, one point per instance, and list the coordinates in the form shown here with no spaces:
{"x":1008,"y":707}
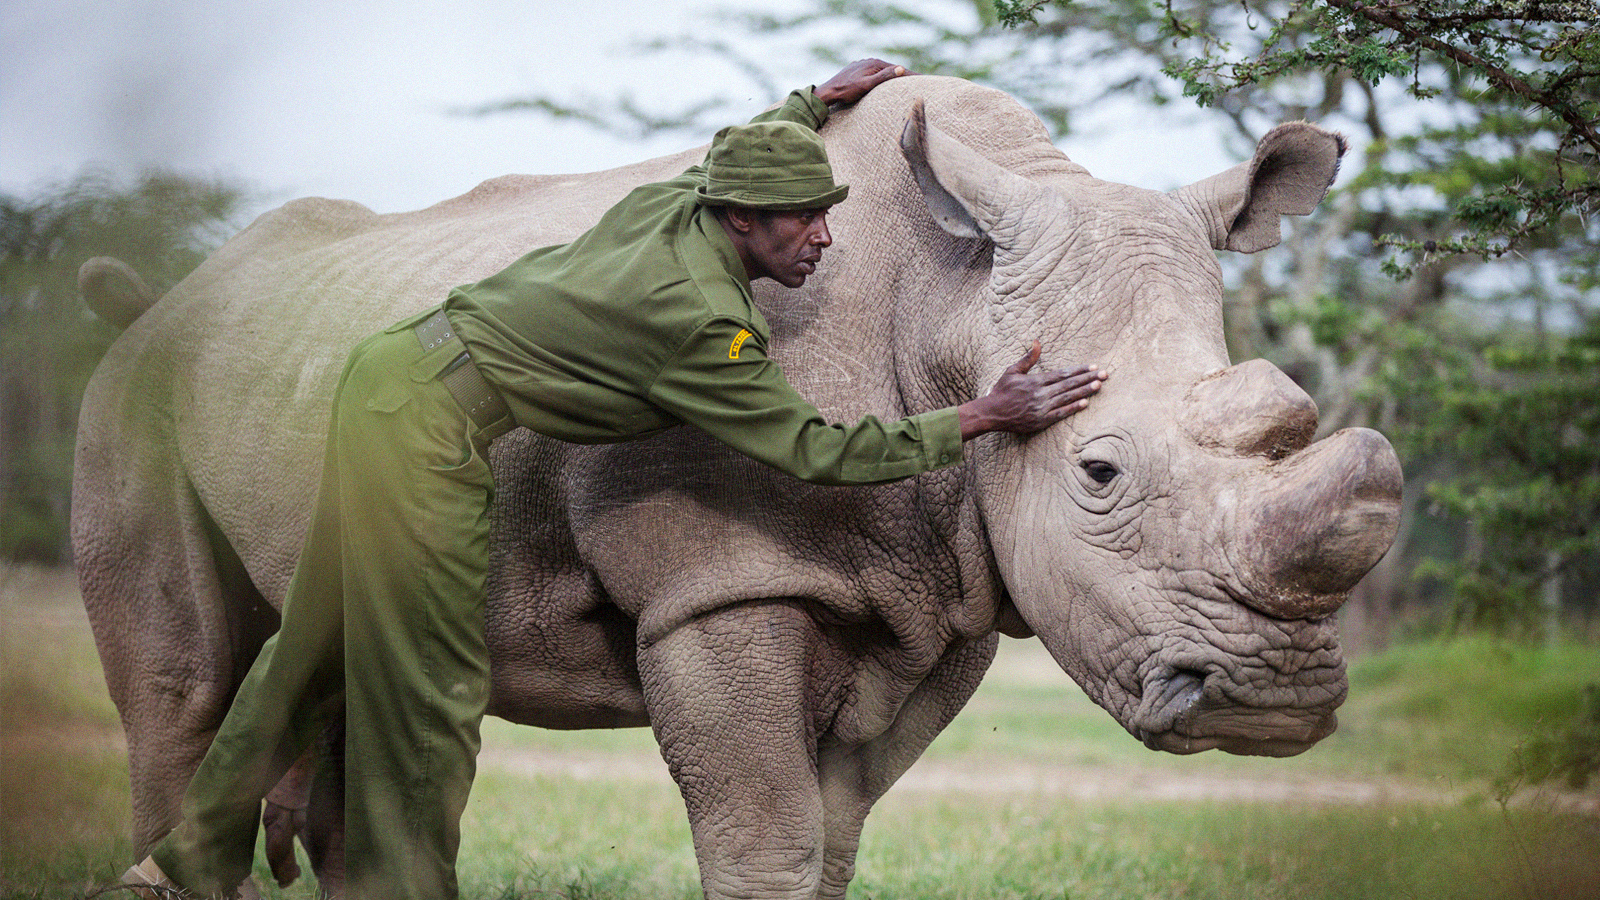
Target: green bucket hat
{"x":769,"y":165}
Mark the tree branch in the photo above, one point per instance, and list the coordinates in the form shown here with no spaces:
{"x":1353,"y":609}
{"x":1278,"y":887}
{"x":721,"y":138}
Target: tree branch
{"x":1578,"y":125}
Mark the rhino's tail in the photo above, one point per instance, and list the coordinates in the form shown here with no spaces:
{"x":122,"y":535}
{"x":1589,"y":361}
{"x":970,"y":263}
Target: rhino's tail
{"x":114,"y":290}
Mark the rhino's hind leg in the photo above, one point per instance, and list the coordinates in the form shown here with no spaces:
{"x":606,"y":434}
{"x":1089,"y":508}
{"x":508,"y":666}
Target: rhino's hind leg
{"x":283,"y":818}
{"x":177,"y":621}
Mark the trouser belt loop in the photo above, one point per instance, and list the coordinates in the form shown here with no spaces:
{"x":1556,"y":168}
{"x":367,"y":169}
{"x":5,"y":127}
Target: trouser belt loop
{"x":461,"y":378}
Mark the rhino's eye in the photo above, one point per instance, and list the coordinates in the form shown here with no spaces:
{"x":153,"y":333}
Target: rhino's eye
{"x":1101,"y":472}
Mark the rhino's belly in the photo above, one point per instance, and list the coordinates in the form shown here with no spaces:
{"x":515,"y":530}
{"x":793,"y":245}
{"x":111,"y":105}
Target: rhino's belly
{"x":562,"y":658}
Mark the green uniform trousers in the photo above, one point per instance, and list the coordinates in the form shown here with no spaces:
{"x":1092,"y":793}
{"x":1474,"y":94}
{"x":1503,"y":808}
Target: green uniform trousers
{"x":385,"y":611}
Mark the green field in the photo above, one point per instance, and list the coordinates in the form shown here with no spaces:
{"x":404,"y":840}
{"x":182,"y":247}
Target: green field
{"x":1032,"y":793}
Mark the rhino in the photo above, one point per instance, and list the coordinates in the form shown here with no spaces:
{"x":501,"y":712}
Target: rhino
{"x":1181,"y":546}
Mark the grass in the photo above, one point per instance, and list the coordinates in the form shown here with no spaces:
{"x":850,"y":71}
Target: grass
{"x":1021,"y":848}
{"x":63,"y":775}
{"x":1498,"y":693}
{"x":1032,"y":793}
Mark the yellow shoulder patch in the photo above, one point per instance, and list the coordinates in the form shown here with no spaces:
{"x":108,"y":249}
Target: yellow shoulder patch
{"x":738,"y":341}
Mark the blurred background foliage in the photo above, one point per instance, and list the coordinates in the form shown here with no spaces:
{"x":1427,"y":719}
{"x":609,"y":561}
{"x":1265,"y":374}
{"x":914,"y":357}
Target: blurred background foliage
{"x":163,"y":225}
{"x":1447,"y":293}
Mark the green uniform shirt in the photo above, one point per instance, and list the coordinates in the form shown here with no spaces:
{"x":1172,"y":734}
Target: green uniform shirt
{"x":646,"y":321}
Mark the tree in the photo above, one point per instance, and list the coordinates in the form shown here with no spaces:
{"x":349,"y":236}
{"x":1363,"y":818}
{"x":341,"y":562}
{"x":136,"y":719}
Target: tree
{"x":163,"y":225}
{"x":1531,"y":67}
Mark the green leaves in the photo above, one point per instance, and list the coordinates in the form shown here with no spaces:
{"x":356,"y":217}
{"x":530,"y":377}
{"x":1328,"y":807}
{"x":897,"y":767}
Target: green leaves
{"x":1367,"y":58}
{"x":1531,"y":60}
{"x":1210,"y":75}
{"x":1519,"y":413}
{"x":1013,"y":13}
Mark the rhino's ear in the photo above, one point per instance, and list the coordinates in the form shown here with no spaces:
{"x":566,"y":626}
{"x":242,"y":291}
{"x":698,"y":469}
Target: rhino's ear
{"x":968,"y":195}
{"x":1293,"y":168}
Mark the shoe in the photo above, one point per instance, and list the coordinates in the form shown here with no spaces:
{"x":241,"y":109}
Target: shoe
{"x":150,"y":883}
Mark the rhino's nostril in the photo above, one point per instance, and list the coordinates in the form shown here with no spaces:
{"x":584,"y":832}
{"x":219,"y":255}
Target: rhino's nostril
{"x":1186,"y":685}
{"x":1179,"y":691}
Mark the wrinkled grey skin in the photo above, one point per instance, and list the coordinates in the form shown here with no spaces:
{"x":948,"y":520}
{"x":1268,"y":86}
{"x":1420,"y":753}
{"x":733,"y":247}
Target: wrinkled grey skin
{"x":1180,"y":546}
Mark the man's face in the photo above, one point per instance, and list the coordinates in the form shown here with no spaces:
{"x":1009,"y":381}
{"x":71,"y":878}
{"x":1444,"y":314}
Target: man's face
{"x":786,"y":246}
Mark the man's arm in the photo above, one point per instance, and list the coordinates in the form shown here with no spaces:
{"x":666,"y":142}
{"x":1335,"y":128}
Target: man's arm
{"x":723,"y":382}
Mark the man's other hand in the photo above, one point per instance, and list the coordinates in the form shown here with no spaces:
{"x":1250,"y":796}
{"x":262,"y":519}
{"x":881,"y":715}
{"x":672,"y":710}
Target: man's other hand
{"x":855,"y":80}
{"x":1024,"y":402}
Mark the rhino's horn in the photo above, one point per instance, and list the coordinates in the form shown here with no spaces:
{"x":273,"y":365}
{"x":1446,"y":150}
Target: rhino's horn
{"x":1251,"y":409}
{"x":1330,"y":515}
{"x":1318,"y":516}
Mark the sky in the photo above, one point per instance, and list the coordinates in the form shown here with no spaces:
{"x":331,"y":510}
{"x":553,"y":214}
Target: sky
{"x":358,"y":101}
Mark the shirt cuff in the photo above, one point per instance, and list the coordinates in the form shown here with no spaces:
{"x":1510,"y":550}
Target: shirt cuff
{"x":809,"y":102}
{"x":941,"y":437}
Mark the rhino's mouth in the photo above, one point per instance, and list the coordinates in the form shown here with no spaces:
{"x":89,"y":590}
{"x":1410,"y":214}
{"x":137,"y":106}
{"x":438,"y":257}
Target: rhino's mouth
{"x":1177,"y":713}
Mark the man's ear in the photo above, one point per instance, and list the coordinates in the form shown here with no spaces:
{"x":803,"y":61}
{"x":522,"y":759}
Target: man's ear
{"x":739,"y":219}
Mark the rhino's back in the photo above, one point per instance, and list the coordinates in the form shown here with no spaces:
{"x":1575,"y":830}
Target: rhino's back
{"x":230,"y":376}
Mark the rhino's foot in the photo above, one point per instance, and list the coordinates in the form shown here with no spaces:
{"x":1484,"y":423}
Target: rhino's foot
{"x":148,"y":882}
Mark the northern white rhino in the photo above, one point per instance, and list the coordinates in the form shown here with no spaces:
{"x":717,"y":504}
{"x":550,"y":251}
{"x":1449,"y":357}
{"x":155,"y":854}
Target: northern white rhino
{"x":1180,"y":547}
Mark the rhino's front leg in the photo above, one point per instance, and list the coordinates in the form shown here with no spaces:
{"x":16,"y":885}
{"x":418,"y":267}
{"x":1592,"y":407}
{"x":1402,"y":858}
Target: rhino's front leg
{"x":728,"y":699}
{"x":855,"y":775}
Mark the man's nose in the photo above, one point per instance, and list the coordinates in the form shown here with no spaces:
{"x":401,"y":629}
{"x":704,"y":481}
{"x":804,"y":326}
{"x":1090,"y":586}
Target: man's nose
{"x":820,"y":235}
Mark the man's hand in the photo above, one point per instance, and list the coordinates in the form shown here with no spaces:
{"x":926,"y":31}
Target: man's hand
{"x":855,"y":80}
{"x":1024,"y":403}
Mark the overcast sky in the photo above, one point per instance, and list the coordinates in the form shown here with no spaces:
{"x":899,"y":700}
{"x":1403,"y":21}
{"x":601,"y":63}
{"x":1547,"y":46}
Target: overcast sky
{"x":355,"y":100}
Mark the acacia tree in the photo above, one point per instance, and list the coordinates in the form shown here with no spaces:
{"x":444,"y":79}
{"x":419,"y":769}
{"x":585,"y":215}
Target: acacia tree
{"x":1531,"y":66}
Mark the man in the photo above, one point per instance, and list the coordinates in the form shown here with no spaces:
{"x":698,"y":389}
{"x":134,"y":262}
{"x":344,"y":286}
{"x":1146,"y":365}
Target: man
{"x":643,"y":323}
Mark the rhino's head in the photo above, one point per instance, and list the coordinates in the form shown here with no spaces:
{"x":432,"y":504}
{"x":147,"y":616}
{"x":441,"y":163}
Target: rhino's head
{"x":1182,"y":545}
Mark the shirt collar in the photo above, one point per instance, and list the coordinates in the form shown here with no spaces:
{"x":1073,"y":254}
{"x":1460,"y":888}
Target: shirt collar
{"x":706,"y":223}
